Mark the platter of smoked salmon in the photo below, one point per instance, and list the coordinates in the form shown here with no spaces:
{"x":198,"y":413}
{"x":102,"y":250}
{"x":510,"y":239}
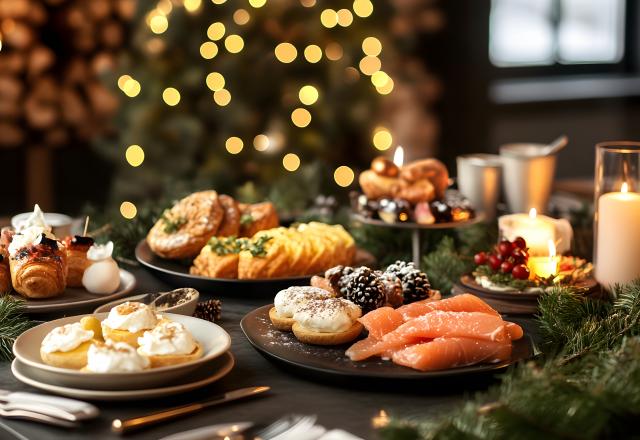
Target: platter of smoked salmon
{"x":425,"y":339}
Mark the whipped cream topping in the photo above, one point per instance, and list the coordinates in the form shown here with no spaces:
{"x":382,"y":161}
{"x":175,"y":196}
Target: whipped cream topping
{"x":116,"y":357}
{"x":99,"y":252}
{"x":287,"y":301}
{"x":331,"y":315}
{"x":30,"y":236}
{"x":66,"y":338}
{"x":36,"y":218}
{"x":167,"y":338}
{"x":132,"y":317}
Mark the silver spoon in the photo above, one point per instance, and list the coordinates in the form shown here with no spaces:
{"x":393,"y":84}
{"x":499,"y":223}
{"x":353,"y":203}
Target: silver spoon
{"x":555,"y":146}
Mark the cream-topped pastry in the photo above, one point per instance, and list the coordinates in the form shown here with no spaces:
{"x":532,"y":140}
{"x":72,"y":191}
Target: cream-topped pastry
{"x":36,"y":218}
{"x":31,"y":236}
{"x":169,"y":343}
{"x":115,"y":357}
{"x":66,"y":346}
{"x":288,"y":301}
{"x":66,"y":338}
{"x":331,"y":315}
{"x":167,"y":338}
{"x":128,"y":321}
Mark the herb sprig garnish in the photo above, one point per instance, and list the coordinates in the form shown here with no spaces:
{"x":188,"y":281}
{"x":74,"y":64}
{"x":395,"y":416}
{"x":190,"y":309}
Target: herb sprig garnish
{"x":172,"y":225}
{"x":257,"y":247}
{"x":246,"y":219}
{"x":227,"y":245}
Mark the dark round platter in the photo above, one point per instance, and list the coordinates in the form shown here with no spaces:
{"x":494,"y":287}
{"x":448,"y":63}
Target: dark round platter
{"x":513,"y":301}
{"x":411,"y":225}
{"x":176,"y":273}
{"x":332,"y":362}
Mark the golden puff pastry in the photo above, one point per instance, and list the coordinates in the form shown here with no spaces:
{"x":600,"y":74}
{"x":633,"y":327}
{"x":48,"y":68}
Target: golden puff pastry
{"x":230,"y":225}
{"x":210,"y":264}
{"x":184,"y":229}
{"x":257,"y":217}
{"x":40,"y":270}
{"x":77,"y":261}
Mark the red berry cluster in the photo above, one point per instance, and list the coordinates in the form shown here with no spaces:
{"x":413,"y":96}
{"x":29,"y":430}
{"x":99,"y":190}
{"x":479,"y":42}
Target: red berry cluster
{"x":507,"y":257}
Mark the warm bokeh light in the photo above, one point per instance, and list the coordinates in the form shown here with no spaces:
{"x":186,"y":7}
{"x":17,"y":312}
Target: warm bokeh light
{"x":234,"y":43}
{"x":128,"y":210}
{"x":234,"y":145}
{"x":308,"y":3}
{"x":257,"y":3}
{"x":333,"y":51}
{"x":134,"y":155}
{"x":122,"y":81}
{"x":261,"y":142}
{"x":215,"y":81}
{"x":382,"y":138}
{"x":301,"y":117}
{"x":371,"y":46}
{"x":386,"y":88}
{"x":219,"y":2}
{"x":308,"y":95}
{"x":216,"y":31}
{"x":345,"y":17}
{"x":380,"y":78}
{"x":329,"y":18}
{"x":291,"y":162}
{"x":352,"y":74}
{"x":363,"y":8}
{"x":343,"y":175}
{"x":164,"y":7}
{"x":241,"y":17}
{"x":208,"y":50}
{"x":222,"y":97}
{"x":192,"y":5}
{"x":132,"y":88}
{"x":171,"y":96}
{"x":370,"y":65}
{"x":158,"y":24}
{"x":286,"y":52}
{"x":313,"y":53}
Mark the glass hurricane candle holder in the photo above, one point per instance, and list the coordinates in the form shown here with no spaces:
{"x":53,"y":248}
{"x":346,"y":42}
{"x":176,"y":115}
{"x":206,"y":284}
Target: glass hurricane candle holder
{"x":616,"y":254}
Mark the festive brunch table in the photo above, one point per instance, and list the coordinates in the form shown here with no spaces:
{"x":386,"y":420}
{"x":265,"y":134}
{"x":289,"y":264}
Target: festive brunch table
{"x":349,"y":406}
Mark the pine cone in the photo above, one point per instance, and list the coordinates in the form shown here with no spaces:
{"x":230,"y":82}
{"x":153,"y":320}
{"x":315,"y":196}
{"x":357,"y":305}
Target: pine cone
{"x":210,"y":310}
{"x":415,"y":283}
{"x":365,"y":288}
{"x":339,"y":278}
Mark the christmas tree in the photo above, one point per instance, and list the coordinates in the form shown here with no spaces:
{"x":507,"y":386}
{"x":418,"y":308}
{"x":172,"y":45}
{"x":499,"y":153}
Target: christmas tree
{"x":280,"y":99}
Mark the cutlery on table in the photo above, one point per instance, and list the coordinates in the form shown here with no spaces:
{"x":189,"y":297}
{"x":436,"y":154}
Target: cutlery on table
{"x":228,"y":430}
{"x":127,"y":425}
{"x":23,"y":414}
{"x":52,"y":406}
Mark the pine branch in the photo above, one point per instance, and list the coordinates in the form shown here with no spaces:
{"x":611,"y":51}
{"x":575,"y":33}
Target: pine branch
{"x":12,"y":324}
{"x":446,"y":265}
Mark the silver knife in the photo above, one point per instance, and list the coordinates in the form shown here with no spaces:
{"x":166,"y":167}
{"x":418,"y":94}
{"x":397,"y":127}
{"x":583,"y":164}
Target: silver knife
{"x":127,"y":425}
{"x":60,"y":407}
{"x":211,"y":432}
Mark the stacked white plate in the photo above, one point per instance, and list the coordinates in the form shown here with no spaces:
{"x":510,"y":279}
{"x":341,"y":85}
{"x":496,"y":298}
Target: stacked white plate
{"x":216,"y":362}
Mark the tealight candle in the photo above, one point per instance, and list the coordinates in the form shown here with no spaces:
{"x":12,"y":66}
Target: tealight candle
{"x":544,"y":267}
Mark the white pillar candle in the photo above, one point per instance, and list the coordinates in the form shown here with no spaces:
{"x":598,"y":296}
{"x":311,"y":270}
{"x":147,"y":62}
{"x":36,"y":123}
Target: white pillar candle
{"x":618,"y":240}
{"x":537,"y":230}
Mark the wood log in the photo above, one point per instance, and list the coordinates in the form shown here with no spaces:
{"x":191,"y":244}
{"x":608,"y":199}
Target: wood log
{"x":103,"y":102}
{"x":12,"y":62}
{"x":126,"y":8}
{"x":112,"y":34}
{"x":37,"y":14}
{"x":103,"y":62}
{"x":11,"y":135}
{"x":16,"y":9}
{"x":73,"y":108}
{"x":40,"y":114}
{"x":10,"y":88}
{"x":76,"y":71}
{"x":40,"y":59}
{"x":20,"y":37}
{"x":99,"y":9}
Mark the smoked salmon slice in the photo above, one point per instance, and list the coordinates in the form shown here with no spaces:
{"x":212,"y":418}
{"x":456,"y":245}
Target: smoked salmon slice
{"x":460,"y":303}
{"x":430,"y":326}
{"x":381,"y":321}
{"x":442,"y":353}
{"x":514,"y":330}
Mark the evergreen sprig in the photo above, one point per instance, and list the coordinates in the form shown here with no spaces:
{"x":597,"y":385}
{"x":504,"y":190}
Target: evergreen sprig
{"x":586,"y":387}
{"x":445,"y":265}
{"x":12,"y":324}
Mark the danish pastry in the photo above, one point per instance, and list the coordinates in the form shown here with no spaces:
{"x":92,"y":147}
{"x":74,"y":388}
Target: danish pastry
{"x":184,"y":229}
{"x":430,"y":169}
{"x":257,"y":217}
{"x":230,"y":225}
{"x":77,"y":261}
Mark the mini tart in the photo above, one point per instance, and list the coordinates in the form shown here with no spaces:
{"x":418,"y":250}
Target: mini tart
{"x":317,"y":338}
{"x":279,"y":322}
{"x":125,"y":336}
{"x":74,"y":359}
{"x":167,"y":360}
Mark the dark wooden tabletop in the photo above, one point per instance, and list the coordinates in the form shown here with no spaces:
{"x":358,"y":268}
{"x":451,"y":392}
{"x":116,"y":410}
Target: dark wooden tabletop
{"x":346,"y":405}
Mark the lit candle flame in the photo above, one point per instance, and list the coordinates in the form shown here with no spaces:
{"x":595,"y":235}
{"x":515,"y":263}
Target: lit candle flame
{"x":625,"y":187}
{"x":398,"y":156}
{"x":533,"y":213}
{"x":552,"y":249}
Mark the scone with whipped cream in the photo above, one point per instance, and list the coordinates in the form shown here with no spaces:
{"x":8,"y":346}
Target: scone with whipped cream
{"x":127,"y":322}
{"x":67,"y":346}
{"x":169,"y":343}
{"x":332,"y":321}
{"x":287,"y":301}
{"x":114,"y":357}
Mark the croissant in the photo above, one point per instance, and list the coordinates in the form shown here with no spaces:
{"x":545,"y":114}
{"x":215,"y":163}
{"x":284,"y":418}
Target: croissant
{"x":39,"y":271}
{"x":77,"y":261}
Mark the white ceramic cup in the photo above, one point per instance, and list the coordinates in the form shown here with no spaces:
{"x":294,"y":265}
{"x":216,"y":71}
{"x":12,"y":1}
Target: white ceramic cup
{"x":479,"y":179}
{"x":527,"y":176}
{"x":60,"y":223}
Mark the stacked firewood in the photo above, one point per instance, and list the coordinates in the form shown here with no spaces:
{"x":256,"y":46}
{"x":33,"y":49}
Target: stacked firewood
{"x":52,"y":55}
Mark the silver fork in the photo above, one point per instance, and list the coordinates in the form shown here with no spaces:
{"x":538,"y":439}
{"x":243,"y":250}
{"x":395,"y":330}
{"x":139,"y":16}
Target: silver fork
{"x":24,"y":414}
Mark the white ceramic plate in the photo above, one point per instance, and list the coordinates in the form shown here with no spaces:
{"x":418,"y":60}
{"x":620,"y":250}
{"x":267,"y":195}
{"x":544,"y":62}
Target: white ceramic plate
{"x":75,"y":297}
{"x":214,"y":340}
{"x":203,"y":375}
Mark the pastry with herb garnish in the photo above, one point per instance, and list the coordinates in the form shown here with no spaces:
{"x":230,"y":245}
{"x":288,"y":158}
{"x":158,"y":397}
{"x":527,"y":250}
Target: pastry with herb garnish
{"x":183,"y":230}
{"x":257,"y":217}
{"x":219,"y":258}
